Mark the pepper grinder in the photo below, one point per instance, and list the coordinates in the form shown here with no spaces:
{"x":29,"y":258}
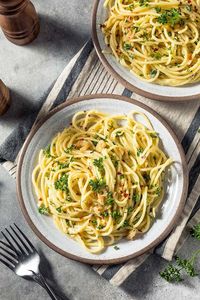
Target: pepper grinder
{"x":19,"y":21}
{"x":4,"y":98}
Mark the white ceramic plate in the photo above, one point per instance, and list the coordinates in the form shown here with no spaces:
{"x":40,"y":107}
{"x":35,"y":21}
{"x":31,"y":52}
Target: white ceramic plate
{"x":123,"y":75}
{"x":57,"y":120}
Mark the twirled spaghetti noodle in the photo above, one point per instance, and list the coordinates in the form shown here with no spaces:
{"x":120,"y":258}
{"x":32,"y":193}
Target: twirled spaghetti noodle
{"x":101,"y":179}
{"x":158,"y":41}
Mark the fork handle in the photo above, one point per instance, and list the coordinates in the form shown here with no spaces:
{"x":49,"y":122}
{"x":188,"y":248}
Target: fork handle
{"x":42,"y":282}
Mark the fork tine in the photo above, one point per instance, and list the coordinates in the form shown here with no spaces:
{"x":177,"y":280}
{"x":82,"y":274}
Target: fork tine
{"x":9,"y":259}
{"x":26,"y":239}
{"x":21,"y":240}
{"x":8,"y":246}
{"x":9,"y":252}
{"x":16,"y":242}
{"x":6,"y":264}
{"x":10,"y":243}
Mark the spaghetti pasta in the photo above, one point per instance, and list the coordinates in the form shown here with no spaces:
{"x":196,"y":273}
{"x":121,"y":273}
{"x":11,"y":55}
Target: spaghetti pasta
{"x":101,"y":179}
{"x":158,"y":41}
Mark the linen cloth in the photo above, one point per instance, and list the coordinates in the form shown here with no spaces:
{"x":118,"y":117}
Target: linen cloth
{"x":86,"y":75}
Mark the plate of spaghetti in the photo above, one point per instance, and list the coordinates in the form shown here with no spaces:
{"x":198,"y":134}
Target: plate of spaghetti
{"x":151,"y":47}
{"x":102,"y":179}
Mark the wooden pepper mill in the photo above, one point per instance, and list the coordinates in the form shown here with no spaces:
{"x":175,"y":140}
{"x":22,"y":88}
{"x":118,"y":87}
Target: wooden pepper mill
{"x":19,"y":21}
{"x":4,"y":98}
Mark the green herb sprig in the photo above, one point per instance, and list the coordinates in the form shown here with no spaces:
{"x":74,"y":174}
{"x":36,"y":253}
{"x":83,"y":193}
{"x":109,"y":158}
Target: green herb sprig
{"x":195,"y":232}
{"x":173,"y":273}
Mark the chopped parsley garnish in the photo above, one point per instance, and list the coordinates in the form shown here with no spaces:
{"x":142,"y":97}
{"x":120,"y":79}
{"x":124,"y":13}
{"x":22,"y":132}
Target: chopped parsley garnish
{"x":47,"y":151}
{"x":99,"y":164}
{"x":189,"y":7}
{"x":171,"y":17}
{"x":143,"y":2}
{"x":136,"y":28}
{"x":136,"y":198}
{"x":121,"y":176}
{"x":130,"y":209}
{"x":157,"y":55}
{"x":62,"y":183}
{"x":105,"y":214}
{"x":94,"y":222}
{"x":130,"y":7}
{"x":97,"y":137}
{"x":145,"y":36}
{"x":94,"y":143}
{"x":62,"y":165}
{"x":127,"y":46}
{"x":125,"y":224}
{"x":114,"y":161}
{"x":115,"y":214}
{"x":97,"y":185}
{"x":110,"y":200}
{"x":43,"y":210}
{"x":153,"y":73}
{"x":59,"y":209}
{"x":116,"y":247}
{"x":146,"y":177}
{"x":158,"y":191}
{"x":139,"y":151}
{"x":69,"y":149}
{"x":119,"y":133}
{"x":158,"y":9}
{"x":68,"y":199}
{"x":163,"y":19}
{"x":100,"y":227}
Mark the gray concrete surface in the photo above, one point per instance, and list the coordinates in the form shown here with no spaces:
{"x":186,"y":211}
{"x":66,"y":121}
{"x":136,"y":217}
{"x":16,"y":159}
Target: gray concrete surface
{"x":29,"y":71}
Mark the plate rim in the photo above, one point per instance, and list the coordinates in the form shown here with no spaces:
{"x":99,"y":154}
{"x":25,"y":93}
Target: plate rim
{"x":119,"y":78}
{"x":64,"y":253}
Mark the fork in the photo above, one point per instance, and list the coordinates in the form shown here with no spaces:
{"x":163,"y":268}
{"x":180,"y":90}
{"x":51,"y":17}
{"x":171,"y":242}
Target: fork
{"x":20,"y":256}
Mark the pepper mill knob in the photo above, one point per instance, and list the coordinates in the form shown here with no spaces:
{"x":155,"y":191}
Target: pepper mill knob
{"x":19,"y":21}
{"x":4,"y":98}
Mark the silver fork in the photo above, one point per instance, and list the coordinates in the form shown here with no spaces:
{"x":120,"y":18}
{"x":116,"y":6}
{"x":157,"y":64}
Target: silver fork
{"x":22,"y":258}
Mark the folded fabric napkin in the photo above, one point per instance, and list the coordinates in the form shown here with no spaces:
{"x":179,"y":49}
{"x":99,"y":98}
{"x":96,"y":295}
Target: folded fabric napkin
{"x":86,"y":75}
